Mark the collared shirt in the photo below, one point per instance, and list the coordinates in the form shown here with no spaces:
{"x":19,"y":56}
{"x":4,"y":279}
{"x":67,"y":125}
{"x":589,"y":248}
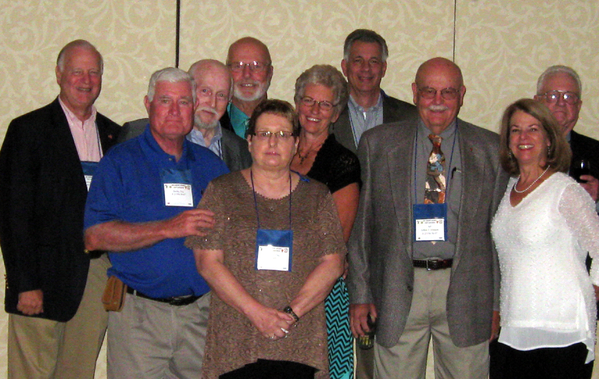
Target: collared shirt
{"x":453,"y":169}
{"x":361,"y":119}
{"x":85,"y":134}
{"x":128,"y":187}
{"x":239,"y":120}
{"x":216,"y":147}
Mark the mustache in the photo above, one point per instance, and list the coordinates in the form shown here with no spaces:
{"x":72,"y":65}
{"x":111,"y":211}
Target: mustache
{"x":437,"y":108}
{"x":207,"y":109}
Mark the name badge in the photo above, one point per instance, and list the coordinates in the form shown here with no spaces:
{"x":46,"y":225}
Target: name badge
{"x":178,"y":195}
{"x":274,"y":249}
{"x":430,"y":222}
{"x":89,"y":168}
{"x":273,"y":258}
{"x":178,"y":191}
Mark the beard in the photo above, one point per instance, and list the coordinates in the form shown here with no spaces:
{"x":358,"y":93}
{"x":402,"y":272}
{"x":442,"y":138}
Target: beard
{"x":198,"y":123}
{"x":261,"y":89}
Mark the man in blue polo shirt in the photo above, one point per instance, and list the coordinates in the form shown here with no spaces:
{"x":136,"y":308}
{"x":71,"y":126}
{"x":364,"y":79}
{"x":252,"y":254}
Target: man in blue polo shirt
{"x":140,"y":208}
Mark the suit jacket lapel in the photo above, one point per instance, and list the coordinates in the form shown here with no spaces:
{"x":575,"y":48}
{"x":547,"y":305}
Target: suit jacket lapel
{"x":473,"y":169}
{"x":63,"y":139}
{"x":401,"y":181}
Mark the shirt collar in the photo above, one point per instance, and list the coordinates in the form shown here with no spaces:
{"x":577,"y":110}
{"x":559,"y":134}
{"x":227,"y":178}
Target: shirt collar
{"x":73,"y":119}
{"x":374,"y":108}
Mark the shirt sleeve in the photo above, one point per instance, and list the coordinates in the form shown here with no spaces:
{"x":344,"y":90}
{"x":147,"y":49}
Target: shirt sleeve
{"x":105,"y":194}
{"x":578,"y":209}
{"x":211,"y":200}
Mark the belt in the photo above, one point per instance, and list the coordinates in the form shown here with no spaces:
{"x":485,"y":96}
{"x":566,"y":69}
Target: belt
{"x":176,"y":301}
{"x":433,"y":264}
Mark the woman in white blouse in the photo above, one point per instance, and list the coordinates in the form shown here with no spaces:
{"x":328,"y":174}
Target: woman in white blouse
{"x":543,"y":229}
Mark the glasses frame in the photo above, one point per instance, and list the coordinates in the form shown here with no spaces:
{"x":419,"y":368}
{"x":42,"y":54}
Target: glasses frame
{"x":254,"y":66}
{"x":564,"y":95}
{"x":448,"y":93}
{"x":265,"y":135}
{"x":323,"y":105}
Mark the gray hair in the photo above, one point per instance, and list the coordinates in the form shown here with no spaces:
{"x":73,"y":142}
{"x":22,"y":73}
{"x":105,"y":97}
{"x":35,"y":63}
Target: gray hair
{"x":559,"y":69}
{"x":171,"y":75}
{"x":78,"y":43}
{"x":368,"y":36}
{"x":206,"y":64}
{"x":327,"y":76}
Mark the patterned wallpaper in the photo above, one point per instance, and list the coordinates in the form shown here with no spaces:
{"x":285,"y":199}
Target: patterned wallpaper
{"x":501,"y":47}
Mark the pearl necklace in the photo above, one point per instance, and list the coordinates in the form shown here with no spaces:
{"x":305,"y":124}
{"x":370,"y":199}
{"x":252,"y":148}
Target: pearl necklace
{"x":531,"y":184}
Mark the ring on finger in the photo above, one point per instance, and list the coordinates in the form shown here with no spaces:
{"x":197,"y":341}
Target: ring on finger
{"x":284,"y":330}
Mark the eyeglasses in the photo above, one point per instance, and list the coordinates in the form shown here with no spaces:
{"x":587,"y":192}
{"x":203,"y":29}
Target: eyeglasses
{"x":567,"y":96}
{"x":253,"y":66}
{"x":324,"y":105}
{"x":265,"y":135}
{"x":446,"y":93}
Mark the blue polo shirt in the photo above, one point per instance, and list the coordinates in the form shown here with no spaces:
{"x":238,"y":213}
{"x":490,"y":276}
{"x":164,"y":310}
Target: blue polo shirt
{"x":127,"y":186}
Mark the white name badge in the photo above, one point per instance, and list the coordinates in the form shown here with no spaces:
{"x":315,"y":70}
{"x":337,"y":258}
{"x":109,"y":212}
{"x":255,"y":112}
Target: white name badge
{"x":431,"y":229}
{"x":88,"y":181}
{"x":273,"y":258}
{"x":178,"y":195}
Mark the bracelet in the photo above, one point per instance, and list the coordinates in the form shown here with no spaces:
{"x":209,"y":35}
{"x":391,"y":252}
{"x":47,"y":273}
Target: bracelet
{"x":290,"y":311}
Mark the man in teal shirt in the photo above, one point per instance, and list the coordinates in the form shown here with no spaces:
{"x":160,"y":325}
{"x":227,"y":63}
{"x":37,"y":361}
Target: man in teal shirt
{"x":251,"y":69}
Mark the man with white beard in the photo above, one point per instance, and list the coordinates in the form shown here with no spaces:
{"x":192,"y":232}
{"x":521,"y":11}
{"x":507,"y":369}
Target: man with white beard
{"x":251,"y":68}
{"x":214,"y":93}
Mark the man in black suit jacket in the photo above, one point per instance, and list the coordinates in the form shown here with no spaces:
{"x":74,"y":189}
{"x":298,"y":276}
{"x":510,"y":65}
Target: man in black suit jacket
{"x":213,"y":89}
{"x":559,"y":88}
{"x":364,"y":64}
{"x":53,"y":288}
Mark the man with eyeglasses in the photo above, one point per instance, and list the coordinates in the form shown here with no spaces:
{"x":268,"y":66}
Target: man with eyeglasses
{"x":214,"y":91}
{"x":251,"y":68}
{"x":422,"y":261}
{"x":560,"y":88}
{"x":364,"y":65}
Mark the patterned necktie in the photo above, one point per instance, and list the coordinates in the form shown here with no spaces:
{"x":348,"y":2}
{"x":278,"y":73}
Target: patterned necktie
{"x":434,"y":189}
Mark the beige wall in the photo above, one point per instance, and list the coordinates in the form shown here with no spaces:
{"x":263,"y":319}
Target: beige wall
{"x":502,"y":47}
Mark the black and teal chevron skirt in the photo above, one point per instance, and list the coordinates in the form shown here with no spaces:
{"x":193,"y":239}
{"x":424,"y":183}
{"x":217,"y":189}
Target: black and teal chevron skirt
{"x":340,"y":340}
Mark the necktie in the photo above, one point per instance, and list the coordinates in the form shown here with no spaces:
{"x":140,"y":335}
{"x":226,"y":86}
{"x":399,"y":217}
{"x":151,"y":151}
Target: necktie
{"x":434,"y":189}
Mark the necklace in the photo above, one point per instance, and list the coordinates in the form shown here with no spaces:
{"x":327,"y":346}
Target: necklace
{"x":302,"y":157}
{"x":310,"y":150}
{"x":531,"y":184}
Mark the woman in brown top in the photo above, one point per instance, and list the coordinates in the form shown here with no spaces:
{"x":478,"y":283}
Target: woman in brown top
{"x":272,"y":258}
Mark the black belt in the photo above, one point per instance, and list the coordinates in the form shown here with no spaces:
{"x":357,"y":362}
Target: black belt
{"x":177,"y":301}
{"x":433,"y":264}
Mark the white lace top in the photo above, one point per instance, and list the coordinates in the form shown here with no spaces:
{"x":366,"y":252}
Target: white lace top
{"x":547,"y":298}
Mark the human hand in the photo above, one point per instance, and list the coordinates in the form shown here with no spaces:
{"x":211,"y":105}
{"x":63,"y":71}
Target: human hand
{"x":359,"y":314}
{"x":271,"y":323}
{"x":31,"y":302}
{"x":194,"y":222}
{"x":591,"y":186}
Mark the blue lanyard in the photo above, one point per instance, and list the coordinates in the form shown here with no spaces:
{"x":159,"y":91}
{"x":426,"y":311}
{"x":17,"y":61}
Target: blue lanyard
{"x":256,"y":202}
{"x":455,"y":137}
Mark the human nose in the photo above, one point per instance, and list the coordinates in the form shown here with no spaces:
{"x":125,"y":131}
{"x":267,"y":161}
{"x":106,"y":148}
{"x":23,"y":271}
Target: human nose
{"x":560,"y":99}
{"x":174,"y":108}
{"x":245,"y":69}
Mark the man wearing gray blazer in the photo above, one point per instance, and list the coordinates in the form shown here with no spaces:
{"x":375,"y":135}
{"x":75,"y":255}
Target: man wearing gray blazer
{"x":364,"y":64}
{"x":445,"y":286}
{"x":214,"y":92}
